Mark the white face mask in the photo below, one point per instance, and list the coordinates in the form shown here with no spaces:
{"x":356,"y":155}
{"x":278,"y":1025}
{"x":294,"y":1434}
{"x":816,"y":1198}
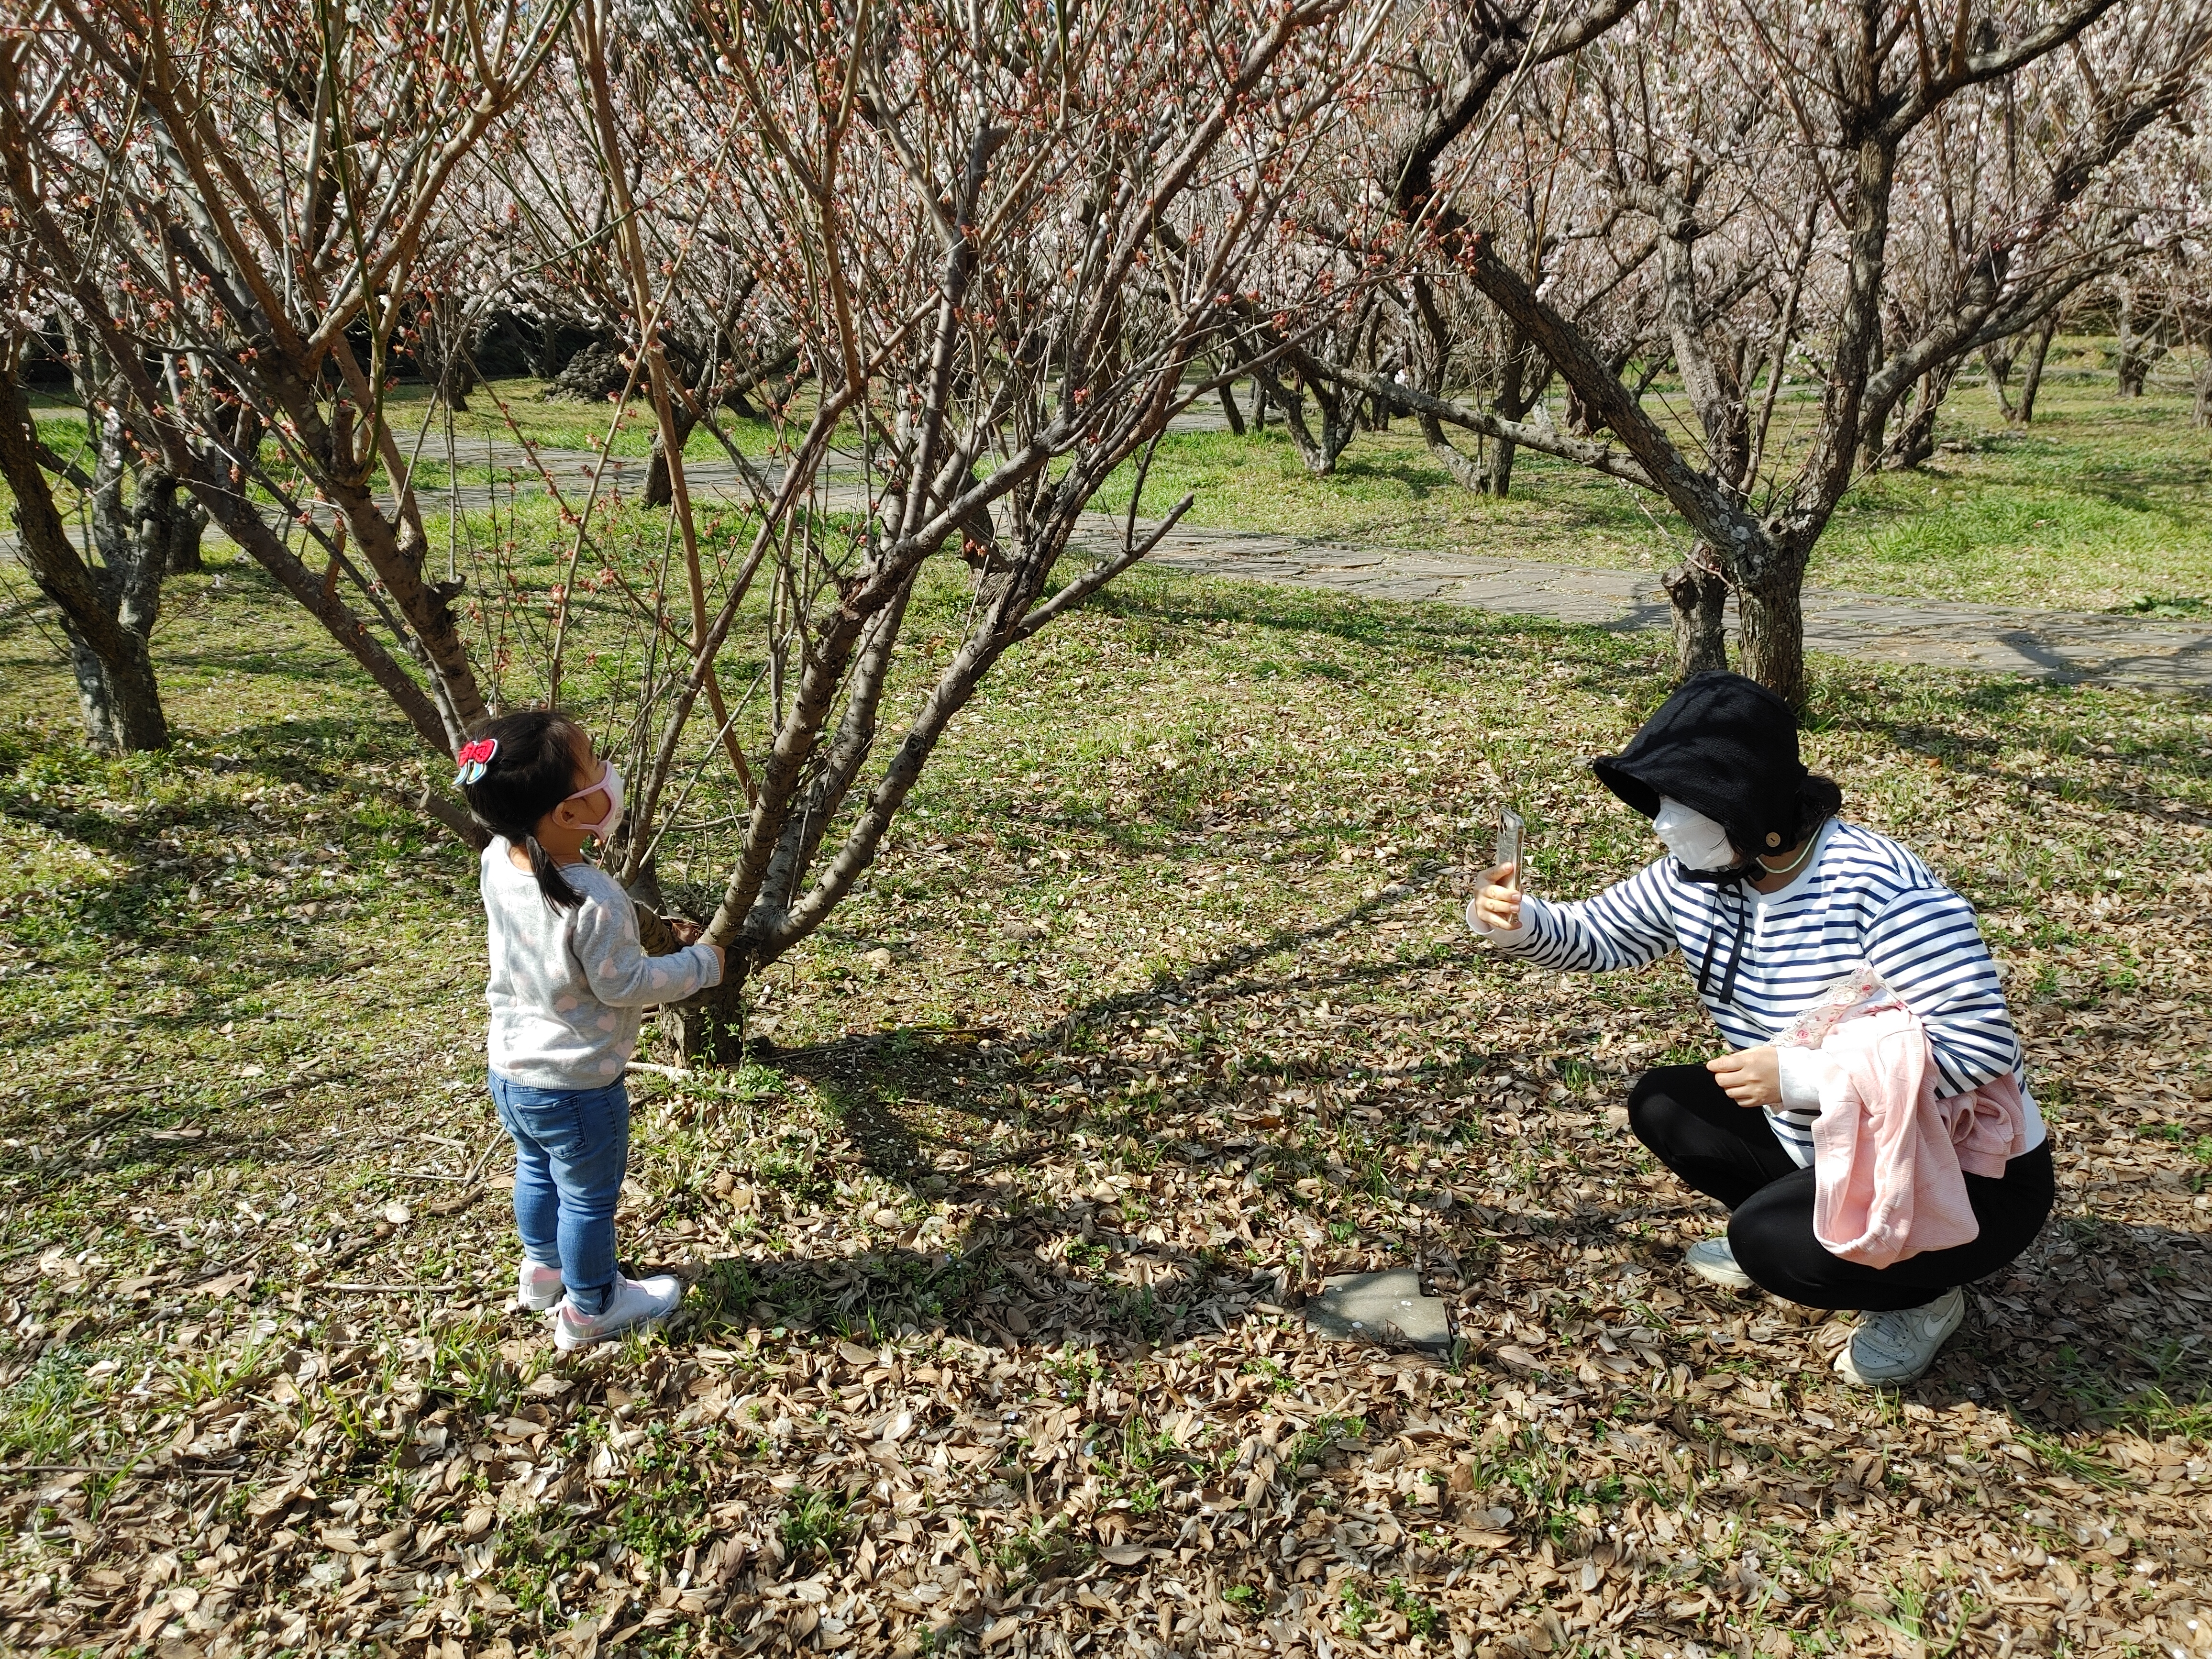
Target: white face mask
{"x":1694,"y":838}
{"x":612,"y":782}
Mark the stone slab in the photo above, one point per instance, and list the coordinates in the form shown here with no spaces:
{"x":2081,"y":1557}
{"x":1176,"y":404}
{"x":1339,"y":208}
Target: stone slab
{"x":1387,"y":1307}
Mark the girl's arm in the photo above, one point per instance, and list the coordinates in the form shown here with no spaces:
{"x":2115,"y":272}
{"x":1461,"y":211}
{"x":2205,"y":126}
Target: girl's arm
{"x":616,"y":965}
{"x":1626,"y":925}
{"x":1927,"y":946}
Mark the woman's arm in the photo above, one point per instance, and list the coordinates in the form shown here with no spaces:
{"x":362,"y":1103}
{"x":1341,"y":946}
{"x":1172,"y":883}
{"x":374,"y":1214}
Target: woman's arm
{"x":1626,"y":925}
{"x":1927,"y":945}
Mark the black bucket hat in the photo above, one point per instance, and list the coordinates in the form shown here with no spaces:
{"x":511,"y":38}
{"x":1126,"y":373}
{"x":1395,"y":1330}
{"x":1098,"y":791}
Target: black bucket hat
{"x":1725,"y":746}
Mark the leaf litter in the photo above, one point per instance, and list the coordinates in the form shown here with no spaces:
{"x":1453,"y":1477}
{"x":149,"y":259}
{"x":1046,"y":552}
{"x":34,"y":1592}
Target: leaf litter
{"x":997,"y":1245}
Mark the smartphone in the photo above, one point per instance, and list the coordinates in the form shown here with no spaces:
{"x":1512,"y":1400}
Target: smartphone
{"x":1508,"y":849}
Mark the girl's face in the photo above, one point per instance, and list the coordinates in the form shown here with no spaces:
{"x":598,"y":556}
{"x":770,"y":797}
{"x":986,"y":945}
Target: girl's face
{"x":586,"y":770}
{"x":564,"y":829}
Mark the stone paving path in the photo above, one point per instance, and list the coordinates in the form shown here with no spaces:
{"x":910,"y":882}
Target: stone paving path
{"x":1998,"y":638}
{"x":2059,"y":645}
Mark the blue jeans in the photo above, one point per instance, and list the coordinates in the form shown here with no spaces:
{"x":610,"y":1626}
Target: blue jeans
{"x":571,"y":1146}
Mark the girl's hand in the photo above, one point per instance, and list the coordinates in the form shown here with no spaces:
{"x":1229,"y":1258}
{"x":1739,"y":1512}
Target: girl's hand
{"x":1749,"y":1077}
{"x":686,"y":931}
{"x":1497,"y":900}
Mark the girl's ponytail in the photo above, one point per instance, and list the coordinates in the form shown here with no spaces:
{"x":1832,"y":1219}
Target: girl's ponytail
{"x":550,"y":882}
{"x":519,"y":768}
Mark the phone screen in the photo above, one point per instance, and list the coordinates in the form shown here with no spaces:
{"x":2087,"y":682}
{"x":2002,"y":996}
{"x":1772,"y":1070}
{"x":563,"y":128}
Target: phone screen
{"x":1509,"y":842}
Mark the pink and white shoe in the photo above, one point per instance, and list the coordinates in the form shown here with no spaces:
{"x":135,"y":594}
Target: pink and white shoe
{"x":537,"y":1287}
{"x":634,"y":1304}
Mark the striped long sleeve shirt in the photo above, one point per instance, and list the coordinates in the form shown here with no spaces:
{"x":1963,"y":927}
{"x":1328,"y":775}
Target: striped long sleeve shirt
{"x":1763,"y":958}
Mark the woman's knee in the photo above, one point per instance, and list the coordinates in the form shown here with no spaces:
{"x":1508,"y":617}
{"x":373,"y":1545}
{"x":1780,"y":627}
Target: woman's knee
{"x":1771,"y":1236}
{"x":1655,"y":1103}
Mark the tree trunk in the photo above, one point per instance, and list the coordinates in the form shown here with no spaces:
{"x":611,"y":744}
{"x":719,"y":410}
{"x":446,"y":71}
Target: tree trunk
{"x":1698,"y":595}
{"x":1512,"y":401}
{"x":1998,"y":357}
{"x":133,"y":721}
{"x":443,"y":353}
{"x":1228,"y":410}
{"x":1259,"y":404}
{"x":541,"y":345}
{"x":1915,"y":442}
{"x":169,"y":526}
{"x":659,"y":488}
{"x":118,"y":697}
{"x":709,"y":1030}
{"x":187,"y":524}
{"x":2134,"y":351}
{"x":1770,"y":630}
{"x":95,"y":706}
{"x":710,"y":1027}
{"x":1467,"y":472}
{"x":2031,"y":378}
{"x":106,"y":613}
{"x":1338,"y":428}
{"x":455,"y":382}
{"x":1499,"y":481}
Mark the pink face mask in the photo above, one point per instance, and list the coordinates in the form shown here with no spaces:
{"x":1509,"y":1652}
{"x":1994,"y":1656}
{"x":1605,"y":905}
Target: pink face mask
{"x":610,"y":781}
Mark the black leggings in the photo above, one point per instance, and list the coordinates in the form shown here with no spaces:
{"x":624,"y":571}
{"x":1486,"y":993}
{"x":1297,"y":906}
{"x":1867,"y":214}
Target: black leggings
{"x":1728,"y":1152}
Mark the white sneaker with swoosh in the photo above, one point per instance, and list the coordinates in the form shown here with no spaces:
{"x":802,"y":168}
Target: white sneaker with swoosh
{"x":1888,"y":1349}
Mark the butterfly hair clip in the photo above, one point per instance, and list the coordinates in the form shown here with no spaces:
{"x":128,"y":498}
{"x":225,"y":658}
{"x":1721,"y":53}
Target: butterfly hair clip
{"x":473,"y":758}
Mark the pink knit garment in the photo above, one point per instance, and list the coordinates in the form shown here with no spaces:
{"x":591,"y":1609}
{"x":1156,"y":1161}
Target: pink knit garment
{"x":1888,"y":1155}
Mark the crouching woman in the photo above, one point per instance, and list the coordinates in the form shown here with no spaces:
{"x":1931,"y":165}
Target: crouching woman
{"x":1772,"y":899}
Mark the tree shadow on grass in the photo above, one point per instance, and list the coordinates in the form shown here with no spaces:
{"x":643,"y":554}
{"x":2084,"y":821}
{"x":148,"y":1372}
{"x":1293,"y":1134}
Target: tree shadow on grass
{"x":896,"y":1091}
{"x":1442,"y":633}
{"x":993,"y":1286}
{"x":1905,"y":725}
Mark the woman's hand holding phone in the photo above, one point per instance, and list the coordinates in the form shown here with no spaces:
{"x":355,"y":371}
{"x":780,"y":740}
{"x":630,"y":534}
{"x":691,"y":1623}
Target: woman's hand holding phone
{"x":1497,"y":900}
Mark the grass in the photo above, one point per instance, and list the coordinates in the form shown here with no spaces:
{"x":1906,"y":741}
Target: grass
{"x":43,"y":1411}
{"x":813,"y":1523}
{"x":505,"y":411}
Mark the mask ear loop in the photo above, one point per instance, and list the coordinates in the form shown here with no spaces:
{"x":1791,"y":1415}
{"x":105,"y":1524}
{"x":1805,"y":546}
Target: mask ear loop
{"x":1798,"y":863}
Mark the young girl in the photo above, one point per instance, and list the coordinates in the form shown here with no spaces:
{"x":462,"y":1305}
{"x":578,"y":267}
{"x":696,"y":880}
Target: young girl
{"x":1770,"y":897}
{"x":567,"y":980}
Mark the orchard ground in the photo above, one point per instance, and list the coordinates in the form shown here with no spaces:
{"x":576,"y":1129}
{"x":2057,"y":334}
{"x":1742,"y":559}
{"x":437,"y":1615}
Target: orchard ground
{"x":1158,"y":1010}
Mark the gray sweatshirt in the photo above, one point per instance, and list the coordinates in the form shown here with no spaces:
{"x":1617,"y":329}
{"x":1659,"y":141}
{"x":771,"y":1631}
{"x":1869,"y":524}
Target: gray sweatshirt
{"x":568,"y":987}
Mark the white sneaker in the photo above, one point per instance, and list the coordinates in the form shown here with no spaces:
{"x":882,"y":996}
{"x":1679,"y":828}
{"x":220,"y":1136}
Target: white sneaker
{"x":634,"y":1304}
{"x":1892,"y":1348}
{"x":537,"y":1287}
{"x":1715,"y":1258}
